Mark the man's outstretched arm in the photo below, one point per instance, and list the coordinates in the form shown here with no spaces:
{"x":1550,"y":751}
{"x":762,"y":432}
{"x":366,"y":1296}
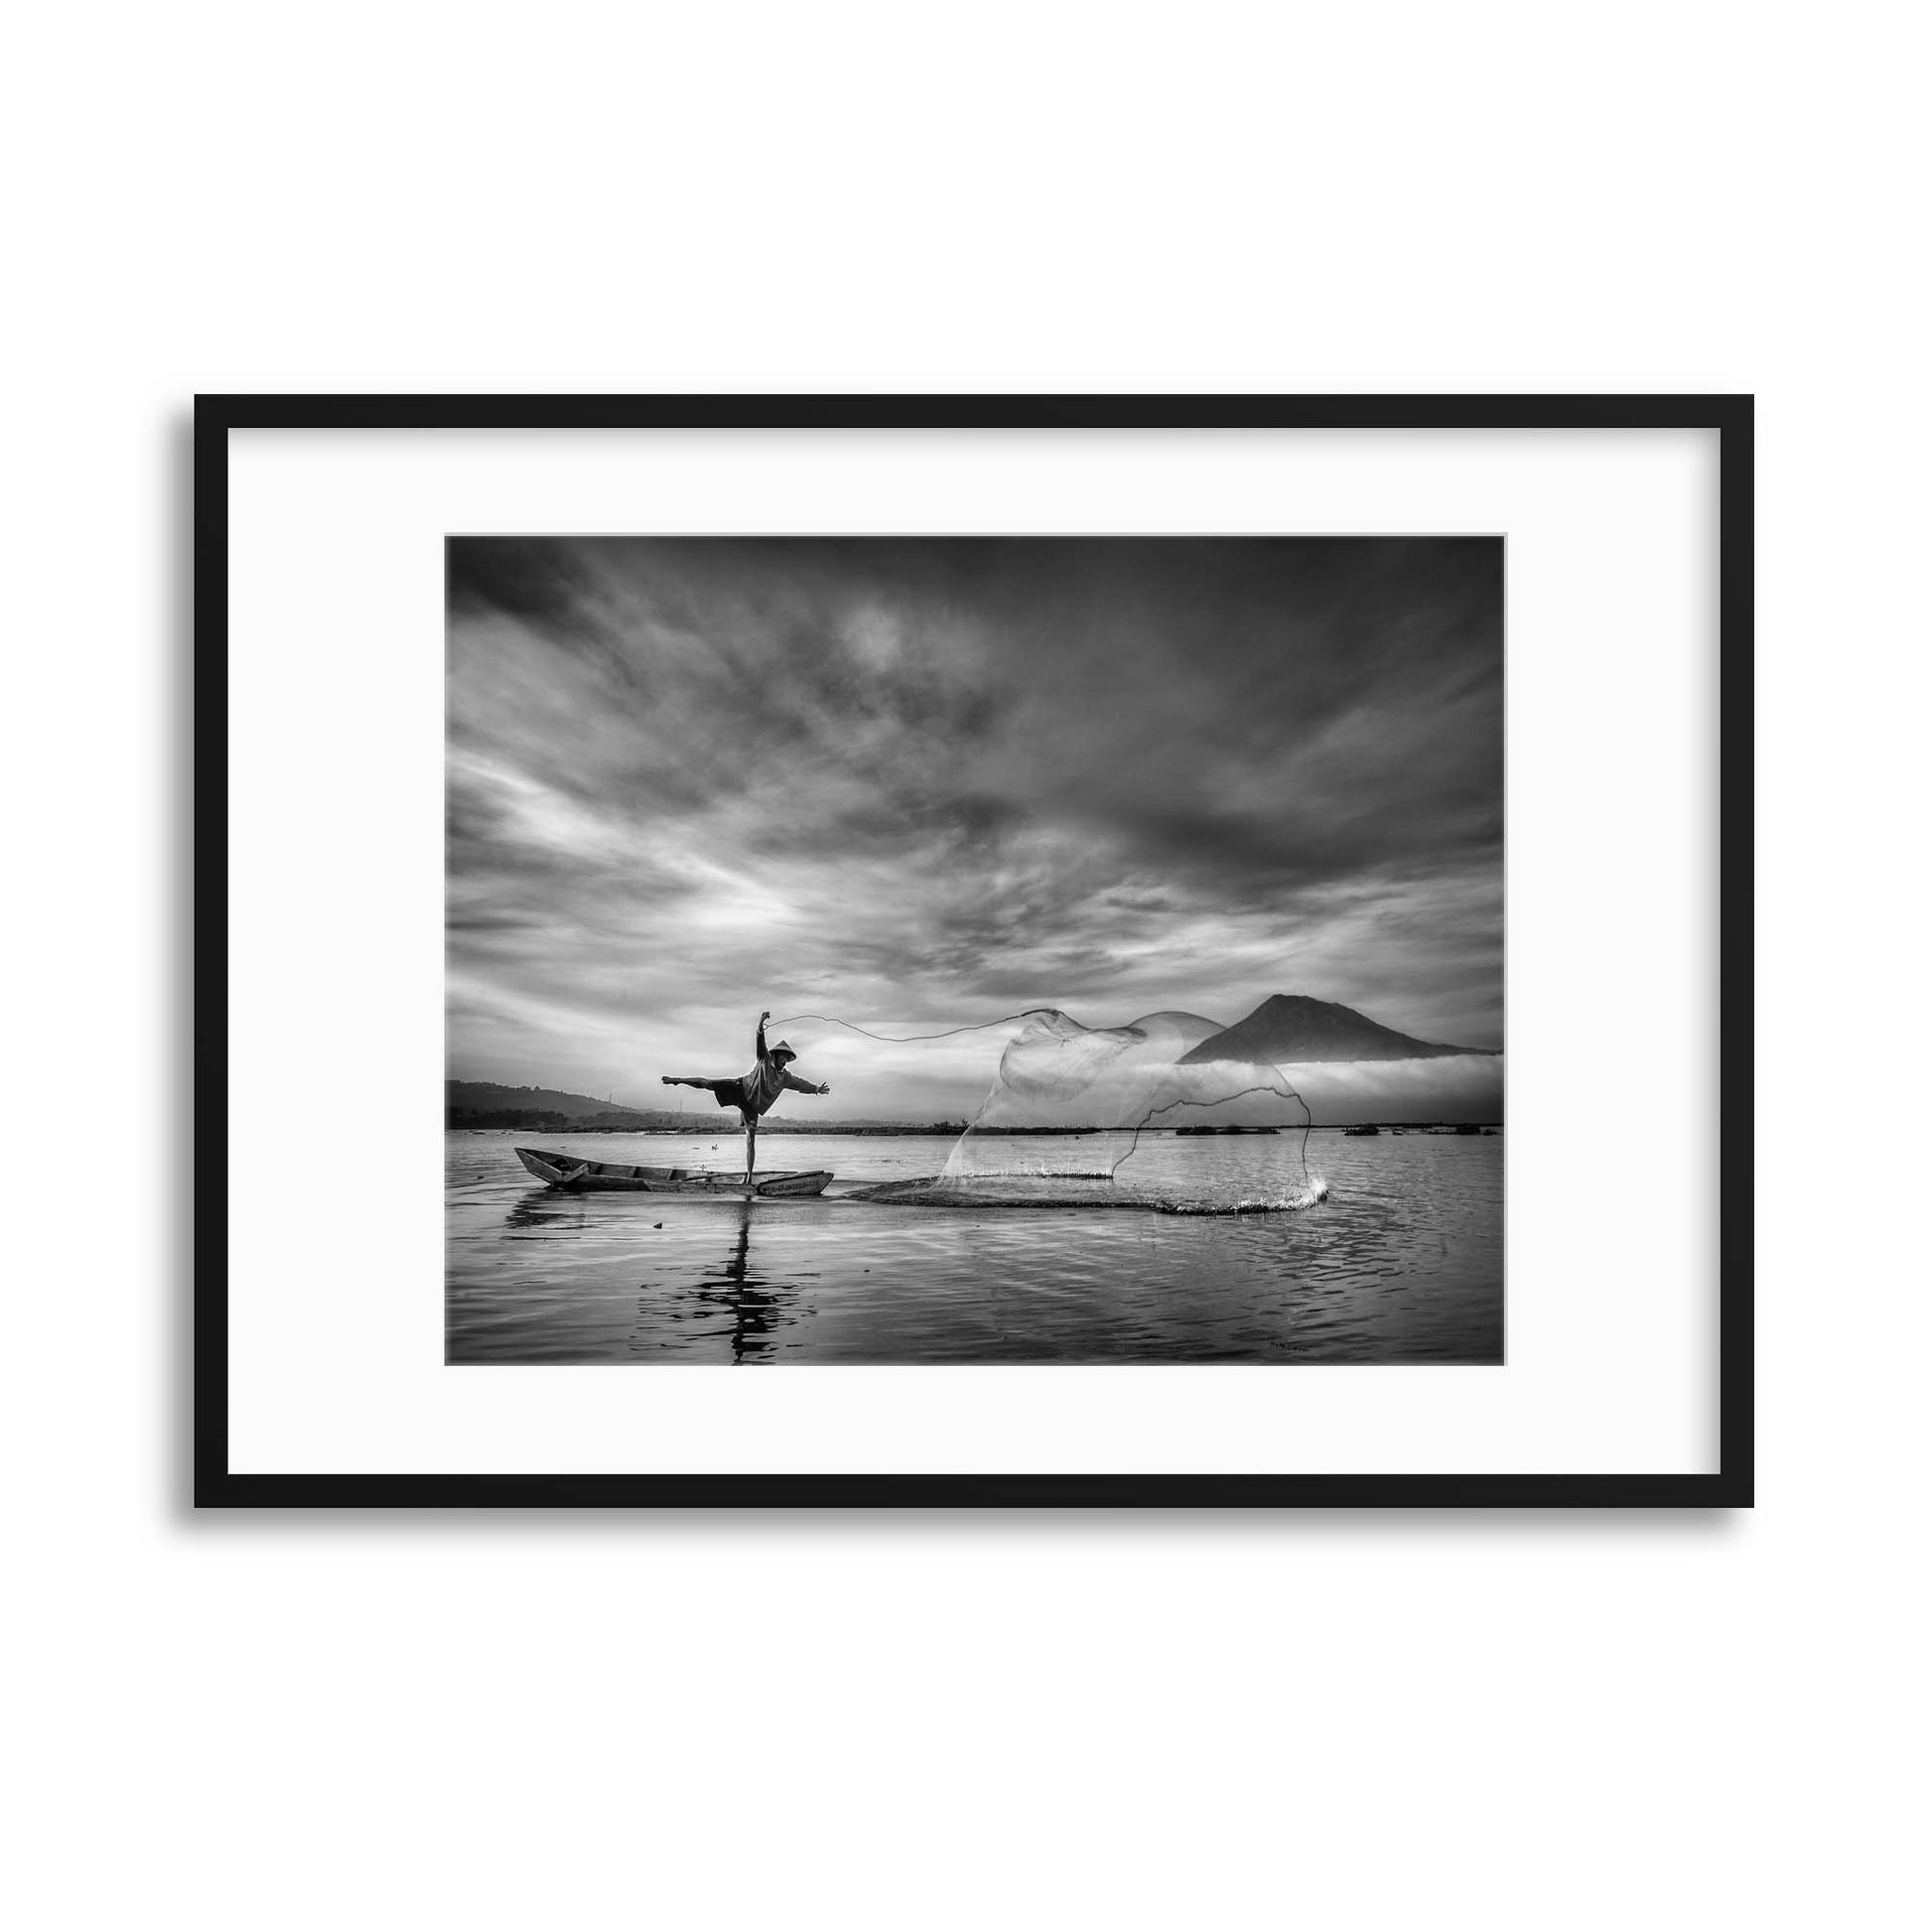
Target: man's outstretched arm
{"x":762,"y":1018}
{"x":802,"y":1086}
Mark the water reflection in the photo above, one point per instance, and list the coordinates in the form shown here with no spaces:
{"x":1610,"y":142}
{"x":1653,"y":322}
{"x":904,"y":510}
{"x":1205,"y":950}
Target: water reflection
{"x":544,"y":1207}
{"x":756,"y":1309}
{"x":1404,"y":1263}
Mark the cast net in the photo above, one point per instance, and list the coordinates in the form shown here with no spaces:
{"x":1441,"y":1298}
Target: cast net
{"x":1073,"y":1115}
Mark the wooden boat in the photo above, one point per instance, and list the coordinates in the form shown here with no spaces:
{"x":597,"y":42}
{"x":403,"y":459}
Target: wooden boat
{"x":579,"y":1176}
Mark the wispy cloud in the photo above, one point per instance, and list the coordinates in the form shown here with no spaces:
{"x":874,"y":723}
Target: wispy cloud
{"x":915,"y":782}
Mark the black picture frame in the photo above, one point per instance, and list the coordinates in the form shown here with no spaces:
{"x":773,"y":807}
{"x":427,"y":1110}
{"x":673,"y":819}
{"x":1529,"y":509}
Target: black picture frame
{"x":217,"y":1486}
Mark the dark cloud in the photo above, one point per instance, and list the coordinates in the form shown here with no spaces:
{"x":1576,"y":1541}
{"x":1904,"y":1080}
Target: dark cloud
{"x":915,"y":777}
{"x":524,"y":577}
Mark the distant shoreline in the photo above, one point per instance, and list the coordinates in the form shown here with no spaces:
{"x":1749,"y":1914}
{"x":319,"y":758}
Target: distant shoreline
{"x":927,"y":1130}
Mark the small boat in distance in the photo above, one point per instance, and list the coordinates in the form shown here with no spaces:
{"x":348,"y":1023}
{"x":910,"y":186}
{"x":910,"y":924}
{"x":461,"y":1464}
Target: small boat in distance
{"x":575,"y":1174}
{"x":1359,"y":1133}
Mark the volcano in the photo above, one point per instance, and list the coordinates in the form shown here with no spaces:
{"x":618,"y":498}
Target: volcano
{"x":1291,"y":1027}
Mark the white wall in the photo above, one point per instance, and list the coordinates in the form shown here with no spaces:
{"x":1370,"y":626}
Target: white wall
{"x":1329,"y":1722}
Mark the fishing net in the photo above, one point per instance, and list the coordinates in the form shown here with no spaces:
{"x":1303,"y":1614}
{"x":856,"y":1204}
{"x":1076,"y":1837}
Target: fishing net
{"x":1071,"y":1114}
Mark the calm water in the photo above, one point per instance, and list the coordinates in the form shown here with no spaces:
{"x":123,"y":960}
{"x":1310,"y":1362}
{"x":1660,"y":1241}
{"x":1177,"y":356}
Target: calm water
{"x":1403,"y":1262}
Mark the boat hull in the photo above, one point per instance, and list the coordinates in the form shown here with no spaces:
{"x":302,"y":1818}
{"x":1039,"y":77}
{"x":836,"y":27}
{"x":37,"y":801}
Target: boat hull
{"x":571,"y":1173}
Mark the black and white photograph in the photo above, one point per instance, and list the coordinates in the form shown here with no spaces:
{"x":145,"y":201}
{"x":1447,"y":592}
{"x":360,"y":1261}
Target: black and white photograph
{"x":911,"y":922}
{"x":895,"y":950}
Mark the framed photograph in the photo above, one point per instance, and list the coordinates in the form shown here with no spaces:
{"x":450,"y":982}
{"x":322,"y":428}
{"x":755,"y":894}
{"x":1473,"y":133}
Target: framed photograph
{"x":821,"y":951}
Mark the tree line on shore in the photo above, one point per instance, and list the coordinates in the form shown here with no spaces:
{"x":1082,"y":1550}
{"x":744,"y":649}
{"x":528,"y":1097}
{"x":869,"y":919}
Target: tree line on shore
{"x":548,"y":1121}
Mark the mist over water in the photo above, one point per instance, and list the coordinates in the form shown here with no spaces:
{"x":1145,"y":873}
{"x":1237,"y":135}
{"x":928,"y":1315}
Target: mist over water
{"x":1400,"y":1262}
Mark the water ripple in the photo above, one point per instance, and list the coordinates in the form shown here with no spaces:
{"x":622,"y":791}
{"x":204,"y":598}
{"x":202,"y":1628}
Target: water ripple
{"x":1398,"y":1260}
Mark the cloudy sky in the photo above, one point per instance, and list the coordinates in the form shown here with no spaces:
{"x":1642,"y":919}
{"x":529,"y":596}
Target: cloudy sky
{"x":919,"y":783}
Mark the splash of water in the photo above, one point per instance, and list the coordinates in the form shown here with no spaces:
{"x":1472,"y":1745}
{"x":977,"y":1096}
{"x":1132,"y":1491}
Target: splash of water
{"x":1108,"y":1086}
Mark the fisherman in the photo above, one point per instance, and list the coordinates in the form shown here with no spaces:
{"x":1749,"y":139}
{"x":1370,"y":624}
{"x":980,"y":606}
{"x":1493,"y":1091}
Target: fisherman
{"x":756,"y":1092}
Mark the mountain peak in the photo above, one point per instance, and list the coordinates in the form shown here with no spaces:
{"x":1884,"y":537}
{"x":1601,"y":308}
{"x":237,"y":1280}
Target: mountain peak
{"x":1295,"y":1027}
